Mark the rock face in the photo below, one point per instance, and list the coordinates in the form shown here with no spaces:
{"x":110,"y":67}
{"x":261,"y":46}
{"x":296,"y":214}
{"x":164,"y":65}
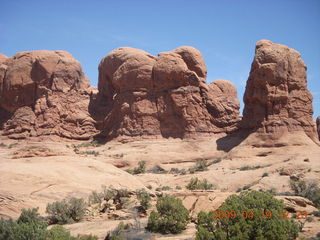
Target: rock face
{"x":276,"y":98}
{"x":42,"y":93}
{"x":318,"y":126}
{"x":164,"y":96}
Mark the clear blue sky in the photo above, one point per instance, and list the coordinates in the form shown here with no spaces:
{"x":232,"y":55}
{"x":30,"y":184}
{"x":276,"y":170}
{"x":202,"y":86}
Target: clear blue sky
{"x":225,"y":31}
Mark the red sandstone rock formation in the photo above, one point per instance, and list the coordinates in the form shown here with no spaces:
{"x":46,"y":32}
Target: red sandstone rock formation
{"x":276,"y":97}
{"x":43,"y":93}
{"x":318,"y":126}
{"x":163,"y":96}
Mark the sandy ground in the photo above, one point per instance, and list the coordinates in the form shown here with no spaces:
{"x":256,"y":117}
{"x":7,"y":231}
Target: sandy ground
{"x":62,"y":168}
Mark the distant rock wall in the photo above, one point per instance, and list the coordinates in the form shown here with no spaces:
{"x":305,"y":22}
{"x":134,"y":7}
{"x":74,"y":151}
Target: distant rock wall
{"x":276,"y":98}
{"x":164,"y":96}
{"x":44,"y":93}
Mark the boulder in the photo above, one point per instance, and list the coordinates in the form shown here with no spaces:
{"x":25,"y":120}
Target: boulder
{"x":165,"y":96}
{"x":276,"y":97}
{"x":297,"y":204}
{"x":45,"y":92}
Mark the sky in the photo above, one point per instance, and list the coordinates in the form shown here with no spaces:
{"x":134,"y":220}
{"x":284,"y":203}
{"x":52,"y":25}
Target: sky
{"x":225,"y":31}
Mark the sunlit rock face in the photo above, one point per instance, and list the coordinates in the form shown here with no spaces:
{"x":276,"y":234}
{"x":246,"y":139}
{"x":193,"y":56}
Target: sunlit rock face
{"x":276,"y":98}
{"x":164,"y":96}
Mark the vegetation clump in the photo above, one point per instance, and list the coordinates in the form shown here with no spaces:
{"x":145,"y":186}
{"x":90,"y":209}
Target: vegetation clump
{"x":66,"y":211}
{"x":250,"y":215}
{"x":201,"y":165}
{"x":308,"y":190}
{"x":31,"y":226}
{"x":171,"y":216}
{"x":197,"y":184}
{"x":141,"y":168}
{"x":144,"y":198}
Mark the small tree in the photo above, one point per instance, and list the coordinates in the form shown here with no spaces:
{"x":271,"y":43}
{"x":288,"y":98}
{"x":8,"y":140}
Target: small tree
{"x":28,"y":226}
{"x":255,"y":215}
{"x":171,"y":216}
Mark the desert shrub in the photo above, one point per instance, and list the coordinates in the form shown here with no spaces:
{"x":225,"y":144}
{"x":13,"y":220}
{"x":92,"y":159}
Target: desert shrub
{"x":157,"y":169}
{"x":178,"y":171}
{"x":195,"y":183}
{"x":67,"y":211}
{"x":121,"y":198}
{"x":87,"y":237}
{"x":98,"y":197}
{"x":163,"y":188}
{"x":245,"y":168}
{"x":249,"y":221}
{"x":201,"y":165}
{"x":59,"y":233}
{"x":265,"y":174}
{"x":308,"y":190}
{"x":171,"y":216}
{"x":28,"y":226}
{"x":215,"y":161}
{"x":91,"y":152}
{"x":116,"y":233}
{"x":178,"y":187}
{"x":141,"y":168}
{"x":31,"y":226}
{"x":144,"y":198}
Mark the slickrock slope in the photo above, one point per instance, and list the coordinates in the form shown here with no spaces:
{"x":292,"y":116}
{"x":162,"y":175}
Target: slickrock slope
{"x":276,"y":98}
{"x":44,"y":93}
{"x":163,"y":96}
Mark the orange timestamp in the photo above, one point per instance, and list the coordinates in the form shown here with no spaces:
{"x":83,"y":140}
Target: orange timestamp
{"x":247,"y":214}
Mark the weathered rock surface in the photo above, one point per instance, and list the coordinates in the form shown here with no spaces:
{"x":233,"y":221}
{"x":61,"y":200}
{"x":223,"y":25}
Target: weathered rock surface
{"x":318,"y":126}
{"x":43,"y":93}
{"x":164,"y":96}
{"x":297,"y":203}
{"x":276,"y":98}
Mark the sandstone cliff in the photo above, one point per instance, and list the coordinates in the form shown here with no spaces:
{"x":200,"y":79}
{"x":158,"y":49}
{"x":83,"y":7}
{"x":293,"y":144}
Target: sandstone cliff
{"x":44,"y":93}
{"x":164,"y":96}
{"x":276,"y":98}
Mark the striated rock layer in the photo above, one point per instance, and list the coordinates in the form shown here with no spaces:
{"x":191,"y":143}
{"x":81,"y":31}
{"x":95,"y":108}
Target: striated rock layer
{"x":164,"y":96}
{"x":44,"y":93}
{"x":276,"y":98}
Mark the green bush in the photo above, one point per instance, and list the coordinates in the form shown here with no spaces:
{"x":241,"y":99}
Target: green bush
{"x":59,"y":233}
{"x":255,"y":225}
{"x":144,"y":197}
{"x":140,"y":169}
{"x":201,"y":165}
{"x":87,"y":237}
{"x":98,"y":197}
{"x":31,"y":226}
{"x":195,"y":183}
{"x":308,"y":190}
{"x":67,"y":211}
{"x":116,"y":233}
{"x":28,"y":226}
{"x":171,"y":216}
